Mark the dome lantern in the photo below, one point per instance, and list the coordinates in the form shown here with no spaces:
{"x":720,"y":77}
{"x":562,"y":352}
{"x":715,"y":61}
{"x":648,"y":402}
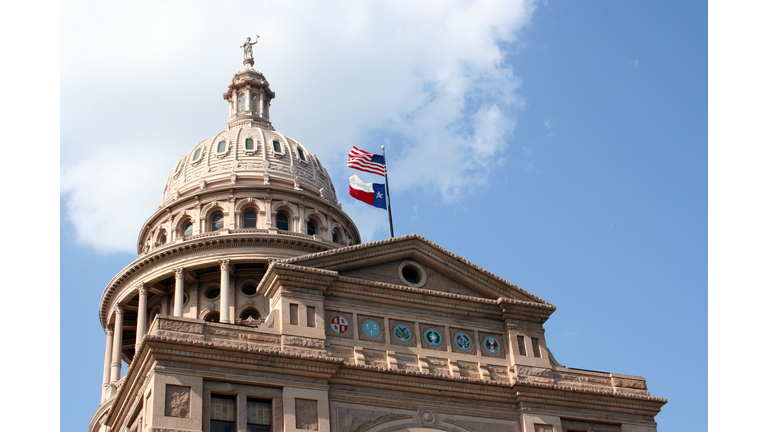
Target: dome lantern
{"x":248,"y":92}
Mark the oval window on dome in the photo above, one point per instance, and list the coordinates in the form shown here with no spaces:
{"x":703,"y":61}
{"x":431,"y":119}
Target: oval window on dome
{"x":249,"y":219}
{"x":196,"y":155}
{"x":221,"y":147}
{"x":249,"y":143}
{"x":217,"y":222}
{"x":282,"y":221}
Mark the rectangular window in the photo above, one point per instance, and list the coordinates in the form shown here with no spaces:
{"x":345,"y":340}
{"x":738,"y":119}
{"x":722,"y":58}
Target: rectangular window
{"x":301,"y":154}
{"x":521,"y":345}
{"x":276,"y":146}
{"x":259,"y":415}
{"x":223,"y":413}
{"x":221,"y":147}
{"x":535,"y":342}
{"x":310,"y":316}
{"x":294,"y":314}
{"x":249,"y":143}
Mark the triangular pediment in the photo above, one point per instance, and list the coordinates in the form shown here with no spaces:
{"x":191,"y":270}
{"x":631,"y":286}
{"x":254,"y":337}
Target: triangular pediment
{"x":415,"y":262}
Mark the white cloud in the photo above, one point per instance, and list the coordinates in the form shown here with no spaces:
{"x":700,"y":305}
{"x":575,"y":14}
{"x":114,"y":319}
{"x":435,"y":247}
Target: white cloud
{"x":427,"y":78}
{"x":635,"y":63}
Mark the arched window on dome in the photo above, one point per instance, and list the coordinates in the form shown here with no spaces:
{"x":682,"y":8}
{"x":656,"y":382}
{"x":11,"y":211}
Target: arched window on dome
{"x":311,"y":228}
{"x":241,"y":105}
{"x":249,"y":219}
{"x":161,"y":239}
{"x":217,"y":222}
{"x":335,"y":237}
{"x":187,"y":227}
{"x":282,"y":221}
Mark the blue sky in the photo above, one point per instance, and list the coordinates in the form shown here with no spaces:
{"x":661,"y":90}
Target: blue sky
{"x":560,"y":145}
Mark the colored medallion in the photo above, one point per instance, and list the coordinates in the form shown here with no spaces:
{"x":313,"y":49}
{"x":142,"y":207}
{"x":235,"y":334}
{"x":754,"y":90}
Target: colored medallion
{"x":491,"y":345}
{"x":462,"y":341}
{"x":402,"y":333}
{"x":433,"y":337}
{"x":339,"y":324}
{"x":371,"y":329}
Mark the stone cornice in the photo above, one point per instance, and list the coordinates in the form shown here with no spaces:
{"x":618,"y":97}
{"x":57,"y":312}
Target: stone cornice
{"x":186,"y":248}
{"x":280,"y":273}
{"x":411,"y":245}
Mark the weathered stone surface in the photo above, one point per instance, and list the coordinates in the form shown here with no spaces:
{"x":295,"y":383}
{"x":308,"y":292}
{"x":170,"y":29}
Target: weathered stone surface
{"x":628,"y":383}
{"x":180,"y":326}
{"x":533,"y":371}
{"x":360,"y":420}
{"x":306,"y":414}
{"x":304,"y":342}
{"x":176,"y":401}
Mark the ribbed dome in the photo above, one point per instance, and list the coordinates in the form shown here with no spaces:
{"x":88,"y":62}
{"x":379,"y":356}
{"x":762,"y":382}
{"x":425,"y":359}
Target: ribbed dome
{"x":248,"y":153}
{"x":249,"y":180}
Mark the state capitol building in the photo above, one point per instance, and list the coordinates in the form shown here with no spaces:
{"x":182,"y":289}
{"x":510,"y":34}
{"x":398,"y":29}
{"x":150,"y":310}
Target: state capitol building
{"x":254,"y":307}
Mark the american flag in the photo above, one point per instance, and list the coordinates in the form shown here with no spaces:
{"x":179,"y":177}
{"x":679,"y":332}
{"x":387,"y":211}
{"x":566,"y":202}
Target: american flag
{"x":368,"y":162}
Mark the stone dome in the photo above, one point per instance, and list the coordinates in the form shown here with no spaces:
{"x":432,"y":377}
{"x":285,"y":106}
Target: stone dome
{"x":248,"y":167}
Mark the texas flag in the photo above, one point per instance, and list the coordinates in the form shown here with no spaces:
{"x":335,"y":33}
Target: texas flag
{"x":371,"y":193}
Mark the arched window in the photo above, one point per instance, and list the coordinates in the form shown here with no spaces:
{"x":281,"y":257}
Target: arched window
{"x":161,"y":239}
{"x":249,"y":219}
{"x":217,"y":222}
{"x":335,"y":237}
{"x":311,"y":230}
{"x":212,"y":317}
{"x":241,"y":108}
{"x":282,"y":221}
{"x":250,"y":313}
{"x":187,"y":229}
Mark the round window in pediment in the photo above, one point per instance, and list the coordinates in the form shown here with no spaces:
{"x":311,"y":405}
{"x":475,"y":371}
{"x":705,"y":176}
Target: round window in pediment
{"x":412,"y":274}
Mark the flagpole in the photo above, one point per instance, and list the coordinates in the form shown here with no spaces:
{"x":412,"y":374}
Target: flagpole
{"x":386,"y":185}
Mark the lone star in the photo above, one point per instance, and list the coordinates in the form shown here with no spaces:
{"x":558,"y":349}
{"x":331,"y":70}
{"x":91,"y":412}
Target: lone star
{"x":379,"y":195}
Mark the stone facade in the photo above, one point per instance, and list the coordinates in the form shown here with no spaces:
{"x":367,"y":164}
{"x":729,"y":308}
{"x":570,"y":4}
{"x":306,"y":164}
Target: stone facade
{"x":234,"y":328}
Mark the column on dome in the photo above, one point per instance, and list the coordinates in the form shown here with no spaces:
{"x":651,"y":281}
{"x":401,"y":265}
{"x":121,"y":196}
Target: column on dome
{"x":224,"y":293}
{"x":261,"y":103}
{"x":141,"y":319}
{"x":302,"y":223}
{"x":248,"y":103}
{"x":117,"y":345}
{"x":178,"y":294}
{"x":107,"y":364}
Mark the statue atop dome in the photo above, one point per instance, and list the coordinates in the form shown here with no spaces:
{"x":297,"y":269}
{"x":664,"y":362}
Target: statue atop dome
{"x":248,"y":49}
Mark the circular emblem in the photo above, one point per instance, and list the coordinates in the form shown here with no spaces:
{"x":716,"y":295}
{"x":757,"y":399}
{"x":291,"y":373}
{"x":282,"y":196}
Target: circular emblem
{"x":402,"y":333}
{"x":371,"y":329}
{"x":462,"y":341}
{"x":491,"y":345}
{"x":433,"y":337}
{"x":339,"y":324}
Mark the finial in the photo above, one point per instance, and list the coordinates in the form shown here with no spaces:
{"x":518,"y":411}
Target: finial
{"x":248,"y":50}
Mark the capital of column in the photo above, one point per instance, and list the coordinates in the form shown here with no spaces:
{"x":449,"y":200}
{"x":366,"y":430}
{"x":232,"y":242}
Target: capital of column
{"x":142,"y":289}
{"x":179,"y":272}
{"x":110,"y":331}
{"x":119,"y":309}
{"x":224,"y":264}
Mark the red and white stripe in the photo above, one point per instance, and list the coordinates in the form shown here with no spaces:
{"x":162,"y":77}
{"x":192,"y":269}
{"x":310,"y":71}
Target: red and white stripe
{"x":361,"y":160}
